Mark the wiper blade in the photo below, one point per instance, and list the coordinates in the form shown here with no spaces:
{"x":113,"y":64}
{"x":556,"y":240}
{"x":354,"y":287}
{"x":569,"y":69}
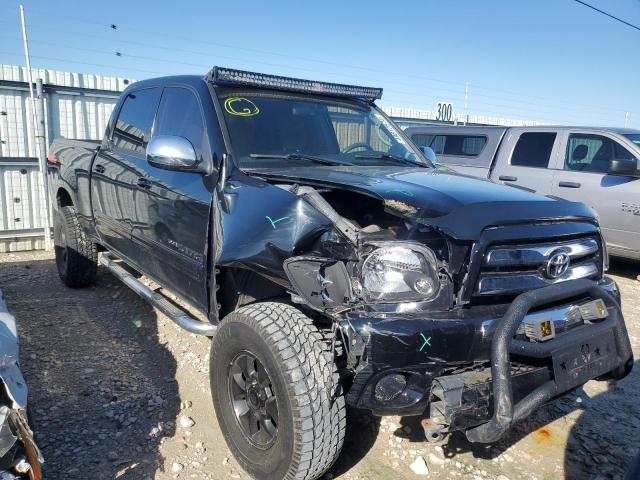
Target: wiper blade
{"x":387,"y":156}
{"x":300,"y":156}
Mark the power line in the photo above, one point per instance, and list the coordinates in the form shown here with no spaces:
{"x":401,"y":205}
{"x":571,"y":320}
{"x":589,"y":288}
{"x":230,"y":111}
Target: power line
{"x":154,"y":72}
{"x":564,"y":111}
{"x":416,"y":102}
{"x":607,"y":14}
{"x":301,"y":58}
{"x":415,"y":95}
{"x":457,"y":94}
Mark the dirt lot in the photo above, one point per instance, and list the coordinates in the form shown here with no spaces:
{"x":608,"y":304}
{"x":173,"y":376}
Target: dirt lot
{"x":118,"y":391}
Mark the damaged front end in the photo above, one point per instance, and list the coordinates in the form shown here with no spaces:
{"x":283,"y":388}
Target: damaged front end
{"x":20,"y":457}
{"x":438,"y":311}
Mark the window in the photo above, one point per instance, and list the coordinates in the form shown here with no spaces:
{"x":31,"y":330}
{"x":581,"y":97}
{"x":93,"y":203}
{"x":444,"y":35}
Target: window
{"x":179,"y":114}
{"x":634,"y":137}
{"x":271,"y":129}
{"x":133,"y":126}
{"x":592,"y":153}
{"x":533,"y":149}
{"x":456,"y":145}
{"x":352,"y":128}
{"x":422,"y":139}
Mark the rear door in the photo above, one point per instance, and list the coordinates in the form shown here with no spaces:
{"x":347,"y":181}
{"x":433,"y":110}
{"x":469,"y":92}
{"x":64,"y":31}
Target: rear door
{"x":527,"y":159}
{"x":116,"y":169}
{"x":170,"y":227}
{"x":583,"y":177}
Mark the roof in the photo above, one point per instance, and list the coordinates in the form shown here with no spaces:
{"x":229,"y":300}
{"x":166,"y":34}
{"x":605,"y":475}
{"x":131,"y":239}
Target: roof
{"x":181,"y":79}
{"x":477,"y":128}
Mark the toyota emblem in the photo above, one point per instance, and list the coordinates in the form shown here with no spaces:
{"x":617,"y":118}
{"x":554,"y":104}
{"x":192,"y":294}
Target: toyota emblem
{"x":558,"y":264}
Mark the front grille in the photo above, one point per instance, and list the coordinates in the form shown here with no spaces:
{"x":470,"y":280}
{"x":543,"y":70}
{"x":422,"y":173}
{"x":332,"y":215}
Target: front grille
{"x":511,"y":269}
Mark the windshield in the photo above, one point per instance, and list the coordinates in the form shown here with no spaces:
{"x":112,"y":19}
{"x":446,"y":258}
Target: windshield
{"x":634,"y":137}
{"x":272,"y":129}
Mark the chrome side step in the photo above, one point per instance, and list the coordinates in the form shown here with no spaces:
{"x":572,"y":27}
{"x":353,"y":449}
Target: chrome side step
{"x":156,"y":299}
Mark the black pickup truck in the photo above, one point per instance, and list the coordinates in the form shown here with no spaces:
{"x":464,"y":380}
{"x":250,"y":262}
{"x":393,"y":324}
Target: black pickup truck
{"x":335,"y":265}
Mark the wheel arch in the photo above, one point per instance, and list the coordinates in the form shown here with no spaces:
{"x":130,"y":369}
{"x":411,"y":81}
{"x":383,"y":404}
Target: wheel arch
{"x":240,"y":286}
{"x":63,"y":198}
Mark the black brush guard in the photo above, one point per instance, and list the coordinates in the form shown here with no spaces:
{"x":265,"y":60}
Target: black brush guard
{"x":505,"y":413}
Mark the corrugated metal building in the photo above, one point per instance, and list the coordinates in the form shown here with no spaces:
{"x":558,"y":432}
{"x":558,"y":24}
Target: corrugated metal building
{"x":76,"y":106}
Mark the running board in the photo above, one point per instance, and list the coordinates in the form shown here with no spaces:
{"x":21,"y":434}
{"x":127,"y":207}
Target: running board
{"x":156,"y":299}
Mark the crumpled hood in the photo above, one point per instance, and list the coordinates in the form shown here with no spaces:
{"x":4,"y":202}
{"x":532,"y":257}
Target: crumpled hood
{"x":459,"y":205}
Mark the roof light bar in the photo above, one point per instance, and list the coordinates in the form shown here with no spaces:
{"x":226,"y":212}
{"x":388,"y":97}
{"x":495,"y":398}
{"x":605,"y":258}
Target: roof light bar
{"x":228,"y":76}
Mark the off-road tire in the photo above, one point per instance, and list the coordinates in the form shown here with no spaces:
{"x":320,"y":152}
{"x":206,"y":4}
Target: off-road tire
{"x":76,"y":255}
{"x":311,"y":407}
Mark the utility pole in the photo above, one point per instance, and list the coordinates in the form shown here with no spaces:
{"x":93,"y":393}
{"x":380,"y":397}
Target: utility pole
{"x":466,"y":101}
{"x":39,"y":137}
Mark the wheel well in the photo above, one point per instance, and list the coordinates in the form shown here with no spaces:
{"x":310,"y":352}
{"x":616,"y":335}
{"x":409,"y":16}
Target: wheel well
{"x":63,"y":198}
{"x":239,"y":287}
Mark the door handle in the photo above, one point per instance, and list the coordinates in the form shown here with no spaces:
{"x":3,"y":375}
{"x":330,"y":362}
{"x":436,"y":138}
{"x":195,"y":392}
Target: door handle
{"x":99,"y":168}
{"x":507,"y":178}
{"x":144,"y":183}
{"x":569,"y":184}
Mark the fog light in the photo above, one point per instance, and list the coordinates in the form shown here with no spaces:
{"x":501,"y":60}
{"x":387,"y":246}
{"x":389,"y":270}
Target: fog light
{"x":389,"y":387}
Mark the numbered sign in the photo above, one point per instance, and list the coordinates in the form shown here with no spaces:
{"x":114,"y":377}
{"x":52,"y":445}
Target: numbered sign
{"x":445,"y":111}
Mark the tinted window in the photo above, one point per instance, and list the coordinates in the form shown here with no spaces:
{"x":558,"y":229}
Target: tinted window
{"x":422,"y":140}
{"x":533,"y":149}
{"x":634,"y":137}
{"x":133,"y":126}
{"x":456,"y":145}
{"x":270,"y":129}
{"x":179,"y":114}
{"x":593,"y":153}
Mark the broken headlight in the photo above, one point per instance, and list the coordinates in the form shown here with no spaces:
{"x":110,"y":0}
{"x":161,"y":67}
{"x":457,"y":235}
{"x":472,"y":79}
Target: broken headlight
{"x":400,"y":273}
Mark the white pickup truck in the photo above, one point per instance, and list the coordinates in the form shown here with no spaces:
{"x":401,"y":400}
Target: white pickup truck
{"x":597,"y":166}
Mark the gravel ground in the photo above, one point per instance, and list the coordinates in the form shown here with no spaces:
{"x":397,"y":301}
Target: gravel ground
{"x":118,"y":391}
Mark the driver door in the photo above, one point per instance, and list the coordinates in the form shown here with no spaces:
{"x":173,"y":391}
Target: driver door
{"x":171,"y":227}
{"x":583,"y":177}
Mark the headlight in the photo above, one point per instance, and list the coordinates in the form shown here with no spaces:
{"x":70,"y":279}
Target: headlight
{"x":400,"y":273}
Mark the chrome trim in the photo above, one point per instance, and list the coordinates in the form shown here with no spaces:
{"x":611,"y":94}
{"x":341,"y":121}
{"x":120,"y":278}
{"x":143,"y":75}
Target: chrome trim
{"x":564,"y":317}
{"x":171,"y":151}
{"x":513,"y":282}
{"x":518,"y":255}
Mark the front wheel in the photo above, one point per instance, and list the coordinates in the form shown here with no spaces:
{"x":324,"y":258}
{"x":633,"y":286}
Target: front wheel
{"x":276,"y":393}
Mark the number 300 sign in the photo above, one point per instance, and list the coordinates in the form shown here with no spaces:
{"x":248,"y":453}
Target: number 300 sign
{"x":445,"y":111}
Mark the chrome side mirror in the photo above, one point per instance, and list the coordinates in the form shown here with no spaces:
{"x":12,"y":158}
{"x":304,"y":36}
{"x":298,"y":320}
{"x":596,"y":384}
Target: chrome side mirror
{"x":429,"y":153}
{"x":171,"y":152}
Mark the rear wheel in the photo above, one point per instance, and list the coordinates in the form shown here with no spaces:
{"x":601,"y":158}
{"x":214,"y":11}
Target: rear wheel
{"x":276,"y":393}
{"x":76,"y":255}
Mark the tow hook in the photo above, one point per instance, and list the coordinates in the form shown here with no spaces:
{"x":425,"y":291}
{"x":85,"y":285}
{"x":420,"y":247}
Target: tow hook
{"x":433,"y":432}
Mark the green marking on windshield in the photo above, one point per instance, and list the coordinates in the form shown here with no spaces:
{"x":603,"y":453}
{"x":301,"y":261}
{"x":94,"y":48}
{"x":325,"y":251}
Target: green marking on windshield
{"x":404,"y":192}
{"x":427,"y":341}
{"x":273,"y":222}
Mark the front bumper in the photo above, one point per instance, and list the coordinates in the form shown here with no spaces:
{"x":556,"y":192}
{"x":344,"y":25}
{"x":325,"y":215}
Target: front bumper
{"x":428,"y":351}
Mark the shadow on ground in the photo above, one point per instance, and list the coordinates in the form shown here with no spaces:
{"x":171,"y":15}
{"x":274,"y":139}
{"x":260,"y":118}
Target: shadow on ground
{"x":604,"y":441}
{"x":362,"y":431}
{"x":624,"y":267}
{"x":102,"y":389}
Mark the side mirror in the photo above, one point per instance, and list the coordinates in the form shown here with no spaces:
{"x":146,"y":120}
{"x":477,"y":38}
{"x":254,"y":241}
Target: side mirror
{"x":429,"y":153}
{"x":623,"y":166}
{"x":171,"y":152}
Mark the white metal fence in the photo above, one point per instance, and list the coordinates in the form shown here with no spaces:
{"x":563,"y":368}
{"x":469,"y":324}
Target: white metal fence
{"x":76,"y":106}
